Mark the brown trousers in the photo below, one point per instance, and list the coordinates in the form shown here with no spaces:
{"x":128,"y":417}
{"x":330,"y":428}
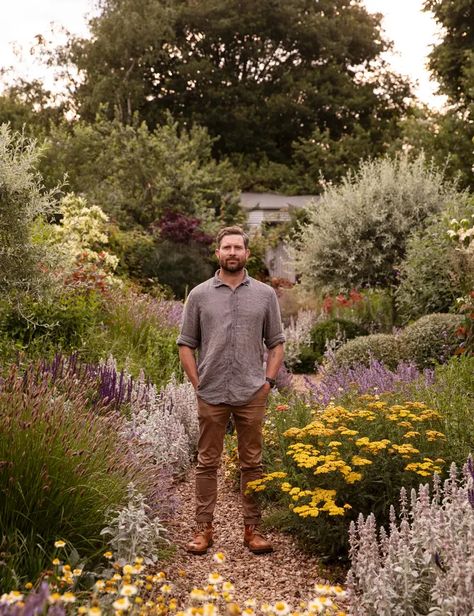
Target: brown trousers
{"x":213,"y":420}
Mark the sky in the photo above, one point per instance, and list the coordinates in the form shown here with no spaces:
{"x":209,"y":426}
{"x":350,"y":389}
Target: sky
{"x":411,"y":30}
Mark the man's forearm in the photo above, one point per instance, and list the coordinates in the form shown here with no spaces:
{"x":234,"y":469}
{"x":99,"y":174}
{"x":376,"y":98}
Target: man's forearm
{"x":188,"y":361}
{"x":274,"y":360}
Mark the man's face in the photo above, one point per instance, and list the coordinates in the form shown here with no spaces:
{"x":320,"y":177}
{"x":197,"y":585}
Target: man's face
{"x":232,"y":254}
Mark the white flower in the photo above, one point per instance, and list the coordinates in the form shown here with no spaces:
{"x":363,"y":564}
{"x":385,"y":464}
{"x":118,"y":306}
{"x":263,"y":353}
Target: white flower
{"x":219,"y":557}
{"x":128,"y":590}
{"x":121,"y":604}
{"x":214,"y":578}
{"x":281,"y":608}
{"x":11,"y":597}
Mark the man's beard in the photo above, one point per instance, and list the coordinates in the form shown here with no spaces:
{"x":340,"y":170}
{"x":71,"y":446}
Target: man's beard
{"x":236,"y":265}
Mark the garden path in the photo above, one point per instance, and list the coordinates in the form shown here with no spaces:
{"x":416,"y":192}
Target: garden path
{"x":288,"y":573}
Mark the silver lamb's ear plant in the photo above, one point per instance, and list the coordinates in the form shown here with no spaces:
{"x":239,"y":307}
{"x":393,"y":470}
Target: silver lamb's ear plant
{"x":425,"y":563}
{"x":166,"y":423}
{"x":133,"y":533}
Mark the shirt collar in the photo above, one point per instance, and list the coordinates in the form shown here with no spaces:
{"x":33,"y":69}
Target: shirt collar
{"x":217,"y":282}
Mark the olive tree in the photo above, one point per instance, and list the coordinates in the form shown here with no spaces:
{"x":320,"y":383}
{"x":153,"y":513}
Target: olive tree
{"x":22,"y":201}
{"x":358,"y":230}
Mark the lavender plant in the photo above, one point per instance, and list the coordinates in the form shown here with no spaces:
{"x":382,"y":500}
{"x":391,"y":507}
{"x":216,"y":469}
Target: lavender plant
{"x":424,"y":564}
{"x":375,"y":378}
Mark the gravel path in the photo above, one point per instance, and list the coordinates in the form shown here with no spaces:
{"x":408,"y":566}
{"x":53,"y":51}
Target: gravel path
{"x":286,"y":574}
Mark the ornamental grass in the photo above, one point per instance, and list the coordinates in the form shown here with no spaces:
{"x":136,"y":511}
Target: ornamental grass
{"x":346,"y":461}
{"x":63,"y":465}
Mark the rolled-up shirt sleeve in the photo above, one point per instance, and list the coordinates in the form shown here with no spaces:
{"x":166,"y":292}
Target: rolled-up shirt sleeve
{"x":273,"y":328}
{"x":190,"y":332}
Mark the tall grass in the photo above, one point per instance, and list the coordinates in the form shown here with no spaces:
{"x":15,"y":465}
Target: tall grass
{"x":62,"y":466}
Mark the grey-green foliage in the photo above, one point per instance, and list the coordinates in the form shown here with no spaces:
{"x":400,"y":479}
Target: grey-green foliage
{"x":22,"y":200}
{"x":363,"y":349}
{"x":434,"y":273}
{"x":135,"y":174}
{"x":358,"y":230}
{"x":431,"y":339}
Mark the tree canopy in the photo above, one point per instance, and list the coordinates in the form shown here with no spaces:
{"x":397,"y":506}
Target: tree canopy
{"x":258,"y":75}
{"x":452,"y":60}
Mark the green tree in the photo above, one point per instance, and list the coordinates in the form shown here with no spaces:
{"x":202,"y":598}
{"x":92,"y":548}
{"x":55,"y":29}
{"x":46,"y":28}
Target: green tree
{"x":22,"y":200}
{"x":358,"y":230}
{"x":258,"y":75}
{"x":452,"y":60}
{"x":135,"y":174}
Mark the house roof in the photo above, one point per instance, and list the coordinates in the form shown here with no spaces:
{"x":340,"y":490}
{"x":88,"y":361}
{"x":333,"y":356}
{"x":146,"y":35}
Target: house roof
{"x":271,"y":201}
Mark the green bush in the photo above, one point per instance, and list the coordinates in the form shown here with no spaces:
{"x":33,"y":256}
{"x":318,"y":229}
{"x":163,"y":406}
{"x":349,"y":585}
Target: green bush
{"x":434,"y":273}
{"x":51,"y":324}
{"x":62,"y":466}
{"x":320,"y":334}
{"x":357,"y":233}
{"x":383,"y":347}
{"x":431,"y":339}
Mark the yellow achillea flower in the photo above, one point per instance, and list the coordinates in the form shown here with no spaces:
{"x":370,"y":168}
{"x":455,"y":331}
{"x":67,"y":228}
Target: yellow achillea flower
{"x":59,"y":543}
{"x":432,"y":435}
{"x":404,"y":449}
{"x":358,"y":461}
{"x":411,"y":434}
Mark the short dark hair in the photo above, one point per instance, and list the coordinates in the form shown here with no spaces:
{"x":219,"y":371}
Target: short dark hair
{"x":235,"y":230}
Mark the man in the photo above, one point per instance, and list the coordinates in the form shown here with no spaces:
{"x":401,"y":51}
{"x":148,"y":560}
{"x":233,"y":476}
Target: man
{"x":227,"y":319}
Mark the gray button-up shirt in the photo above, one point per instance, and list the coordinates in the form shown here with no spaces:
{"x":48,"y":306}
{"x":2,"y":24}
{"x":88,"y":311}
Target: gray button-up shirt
{"x":229,"y":327}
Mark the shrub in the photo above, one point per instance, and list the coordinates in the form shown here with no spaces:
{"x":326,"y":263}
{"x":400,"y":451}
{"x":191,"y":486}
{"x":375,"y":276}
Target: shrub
{"x":22,"y":200}
{"x":361,"y":350}
{"x":432,"y":274}
{"x":332,"y":329}
{"x":60,"y":322}
{"x":358,"y":230}
{"x":345,"y":462}
{"x":421,"y":564}
{"x":372,"y":309}
{"x":431,"y":339}
{"x":63,"y":465}
{"x":178,"y":266}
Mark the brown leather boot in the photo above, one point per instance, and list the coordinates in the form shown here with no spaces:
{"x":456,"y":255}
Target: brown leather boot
{"x":255,"y":541}
{"x":202,"y":539}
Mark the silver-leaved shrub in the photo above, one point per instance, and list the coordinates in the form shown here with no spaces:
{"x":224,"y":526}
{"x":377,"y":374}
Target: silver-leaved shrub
{"x":133,"y":531}
{"x":298,"y":335}
{"x":166,"y":423}
{"x":424,"y":564}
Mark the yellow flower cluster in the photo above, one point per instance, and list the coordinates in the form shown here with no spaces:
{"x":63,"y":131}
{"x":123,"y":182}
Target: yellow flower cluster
{"x":340,"y":447}
{"x":259,"y":485}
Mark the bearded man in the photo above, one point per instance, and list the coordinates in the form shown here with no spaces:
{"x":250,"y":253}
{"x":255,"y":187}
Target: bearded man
{"x":228,"y":319}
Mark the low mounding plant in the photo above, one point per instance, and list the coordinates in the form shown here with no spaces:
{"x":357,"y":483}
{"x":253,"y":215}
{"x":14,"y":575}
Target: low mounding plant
{"x":363,"y":349}
{"x":431,"y":339}
{"x":63,"y":465}
{"x":421,"y":564}
{"x":348,"y":461}
{"x":133,"y":531}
